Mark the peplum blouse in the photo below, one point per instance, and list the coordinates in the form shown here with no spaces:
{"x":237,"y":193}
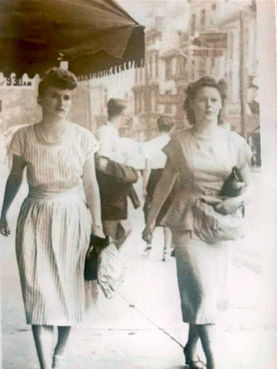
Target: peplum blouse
{"x":203,"y":164}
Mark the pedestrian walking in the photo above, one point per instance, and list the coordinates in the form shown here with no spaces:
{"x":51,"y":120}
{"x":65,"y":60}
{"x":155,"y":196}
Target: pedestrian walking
{"x":55,"y":222}
{"x":151,"y":175}
{"x":203,"y":157}
{"x":114,"y":176}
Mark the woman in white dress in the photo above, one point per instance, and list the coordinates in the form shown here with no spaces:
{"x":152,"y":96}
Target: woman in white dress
{"x":55,"y":222}
{"x":202,"y":157}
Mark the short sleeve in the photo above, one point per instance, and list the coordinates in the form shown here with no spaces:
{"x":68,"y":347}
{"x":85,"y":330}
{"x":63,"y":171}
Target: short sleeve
{"x":154,"y":147}
{"x":106,"y":140}
{"x":174,"y":154}
{"x":17,"y":144}
{"x":244,"y":153}
{"x":89,"y":144}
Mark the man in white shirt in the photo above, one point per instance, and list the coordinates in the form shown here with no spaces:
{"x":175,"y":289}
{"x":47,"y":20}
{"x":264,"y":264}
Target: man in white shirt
{"x":114,"y":176}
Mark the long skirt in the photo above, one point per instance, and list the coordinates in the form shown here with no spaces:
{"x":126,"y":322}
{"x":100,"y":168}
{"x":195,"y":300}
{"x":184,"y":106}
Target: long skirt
{"x":202,"y":272}
{"x":52,"y":239}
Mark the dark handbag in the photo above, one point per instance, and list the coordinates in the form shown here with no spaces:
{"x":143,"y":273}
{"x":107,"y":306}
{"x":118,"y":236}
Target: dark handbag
{"x":212,"y":226}
{"x":233,"y":185}
{"x":96,"y":245}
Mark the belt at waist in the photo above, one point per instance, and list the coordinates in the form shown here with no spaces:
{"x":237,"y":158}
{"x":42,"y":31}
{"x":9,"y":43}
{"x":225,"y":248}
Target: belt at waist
{"x":37,"y":193}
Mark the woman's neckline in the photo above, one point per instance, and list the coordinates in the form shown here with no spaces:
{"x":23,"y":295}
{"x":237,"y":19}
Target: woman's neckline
{"x":63,"y":140}
{"x":206,"y":135}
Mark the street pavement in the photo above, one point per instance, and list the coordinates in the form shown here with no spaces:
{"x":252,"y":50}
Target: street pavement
{"x":141,"y":326}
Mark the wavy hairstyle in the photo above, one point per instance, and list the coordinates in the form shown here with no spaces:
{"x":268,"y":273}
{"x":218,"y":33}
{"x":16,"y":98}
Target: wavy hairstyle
{"x":59,"y":78}
{"x":194,"y":87}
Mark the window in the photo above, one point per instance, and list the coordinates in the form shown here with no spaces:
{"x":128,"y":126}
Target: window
{"x":150,"y":67}
{"x":182,"y":65}
{"x":141,"y":73}
{"x":202,"y":69}
{"x":193,"y":24}
{"x":246,"y":42}
{"x":213,"y":15}
{"x":168,"y":69}
{"x":136,"y":105}
{"x":174,"y":110}
{"x":157,"y":65}
{"x":213,"y":62}
{"x":153,"y":101}
{"x":203,"y":17}
{"x":139,"y":104}
{"x":105,"y":96}
{"x":231,"y":46}
{"x":193,"y":70}
{"x":142,"y":103}
{"x":174,"y":66}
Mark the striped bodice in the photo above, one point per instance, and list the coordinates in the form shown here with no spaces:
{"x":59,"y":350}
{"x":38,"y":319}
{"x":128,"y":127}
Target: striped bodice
{"x":54,"y":168}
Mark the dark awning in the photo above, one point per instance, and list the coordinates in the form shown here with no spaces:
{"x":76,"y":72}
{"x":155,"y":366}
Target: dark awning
{"x":92,"y":35}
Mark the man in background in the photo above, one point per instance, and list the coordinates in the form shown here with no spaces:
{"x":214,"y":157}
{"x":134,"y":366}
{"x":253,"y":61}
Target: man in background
{"x":114,"y":175}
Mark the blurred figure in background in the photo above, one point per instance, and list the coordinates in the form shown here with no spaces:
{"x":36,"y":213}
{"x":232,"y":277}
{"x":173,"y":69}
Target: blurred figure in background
{"x":151,"y":175}
{"x":115,"y":175}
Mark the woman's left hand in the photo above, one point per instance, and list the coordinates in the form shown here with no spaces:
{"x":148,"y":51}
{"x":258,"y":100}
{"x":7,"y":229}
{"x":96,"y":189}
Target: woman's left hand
{"x":98,"y":231}
{"x":228,"y":206}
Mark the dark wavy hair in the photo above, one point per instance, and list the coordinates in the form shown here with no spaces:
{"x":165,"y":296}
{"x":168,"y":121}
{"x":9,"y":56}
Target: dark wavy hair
{"x":194,"y":87}
{"x":59,"y":78}
{"x":165,"y":123}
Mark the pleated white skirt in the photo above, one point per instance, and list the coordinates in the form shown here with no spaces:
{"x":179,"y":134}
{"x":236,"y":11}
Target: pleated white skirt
{"x":52,"y":239}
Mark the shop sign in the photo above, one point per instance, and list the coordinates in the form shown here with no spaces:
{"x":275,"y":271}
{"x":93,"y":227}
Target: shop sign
{"x":214,"y":40}
{"x":207,"y":53}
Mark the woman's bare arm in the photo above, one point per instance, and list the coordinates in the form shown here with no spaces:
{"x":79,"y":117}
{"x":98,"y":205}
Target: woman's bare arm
{"x":12,"y":186}
{"x":161,"y":193}
{"x":93,"y":196}
{"x":145,"y":178}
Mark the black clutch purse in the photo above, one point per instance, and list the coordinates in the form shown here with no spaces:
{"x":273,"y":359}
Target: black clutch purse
{"x":96,"y":245}
{"x":233,"y":185}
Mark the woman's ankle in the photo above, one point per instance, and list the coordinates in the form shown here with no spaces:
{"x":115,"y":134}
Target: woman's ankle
{"x":190,"y":351}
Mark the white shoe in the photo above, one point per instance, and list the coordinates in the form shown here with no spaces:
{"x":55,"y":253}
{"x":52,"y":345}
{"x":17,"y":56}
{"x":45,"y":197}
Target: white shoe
{"x":147,"y":249}
{"x":166,"y":256}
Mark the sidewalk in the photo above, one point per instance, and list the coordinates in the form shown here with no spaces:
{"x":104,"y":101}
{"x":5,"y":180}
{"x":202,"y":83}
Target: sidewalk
{"x":141,"y":327}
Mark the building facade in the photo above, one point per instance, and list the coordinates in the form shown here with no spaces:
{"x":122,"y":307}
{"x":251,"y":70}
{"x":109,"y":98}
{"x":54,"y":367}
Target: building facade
{"x":147,"y":84}
{"x":236,"y":63}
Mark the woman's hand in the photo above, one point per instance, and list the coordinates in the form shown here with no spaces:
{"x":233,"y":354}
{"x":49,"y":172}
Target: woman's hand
{"x":4,"y":227}
{"x":228,"y":206}
{"x":147,"y":233}
{"x":97,"y":231}
{"x":144,"y":194}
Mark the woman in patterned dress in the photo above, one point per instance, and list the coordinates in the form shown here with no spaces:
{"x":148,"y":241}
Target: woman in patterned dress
{"x":202,"y":157}
{"x":55,"y":222}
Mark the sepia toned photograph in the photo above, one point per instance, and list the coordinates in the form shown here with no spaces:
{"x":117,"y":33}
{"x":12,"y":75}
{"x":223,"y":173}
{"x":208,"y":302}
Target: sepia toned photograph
{"x":137,"y":184}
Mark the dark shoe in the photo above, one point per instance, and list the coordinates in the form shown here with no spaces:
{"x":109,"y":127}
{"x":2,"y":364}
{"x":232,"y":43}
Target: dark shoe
{"x":166,"y":255}
{"x":194,"y":364}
